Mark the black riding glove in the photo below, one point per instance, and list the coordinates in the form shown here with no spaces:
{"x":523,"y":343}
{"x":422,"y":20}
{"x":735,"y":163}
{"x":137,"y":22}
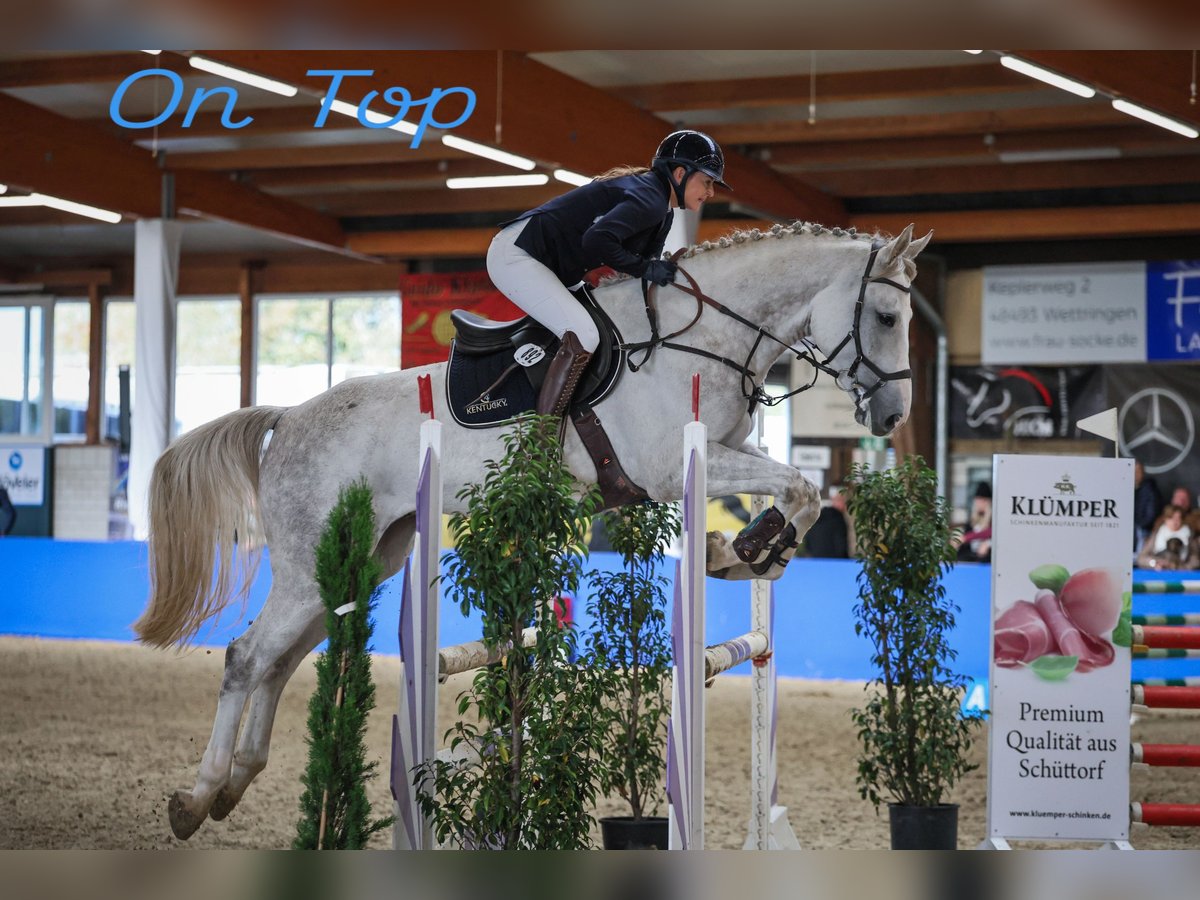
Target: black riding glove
{"x":660,"y":271}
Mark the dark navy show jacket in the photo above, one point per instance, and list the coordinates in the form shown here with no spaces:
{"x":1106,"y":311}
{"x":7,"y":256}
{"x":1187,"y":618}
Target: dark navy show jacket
{"x":621,"y":222}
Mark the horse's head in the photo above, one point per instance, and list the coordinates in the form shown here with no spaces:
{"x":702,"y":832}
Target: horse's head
{"x":866,"y":339}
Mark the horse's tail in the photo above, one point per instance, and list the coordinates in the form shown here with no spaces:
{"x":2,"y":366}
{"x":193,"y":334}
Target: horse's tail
{"x":203,"y":498}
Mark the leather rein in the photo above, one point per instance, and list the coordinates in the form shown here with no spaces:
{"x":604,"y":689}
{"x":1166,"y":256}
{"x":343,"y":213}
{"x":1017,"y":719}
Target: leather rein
{"x":808,"y":351}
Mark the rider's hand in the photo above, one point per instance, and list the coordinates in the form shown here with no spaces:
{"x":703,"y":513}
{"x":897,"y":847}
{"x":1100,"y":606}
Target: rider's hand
{"x":660,"y":271}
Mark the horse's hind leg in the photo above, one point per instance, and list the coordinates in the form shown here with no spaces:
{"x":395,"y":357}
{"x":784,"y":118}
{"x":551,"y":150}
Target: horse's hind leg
{"x":254,"y":741}
{"x":280,"y":626}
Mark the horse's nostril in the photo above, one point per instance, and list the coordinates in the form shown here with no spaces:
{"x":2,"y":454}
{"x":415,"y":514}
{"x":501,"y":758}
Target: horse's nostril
{"x":893,"y":422}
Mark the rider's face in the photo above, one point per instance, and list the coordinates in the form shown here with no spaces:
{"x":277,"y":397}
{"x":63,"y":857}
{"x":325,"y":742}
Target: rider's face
{"x":698,"y":191}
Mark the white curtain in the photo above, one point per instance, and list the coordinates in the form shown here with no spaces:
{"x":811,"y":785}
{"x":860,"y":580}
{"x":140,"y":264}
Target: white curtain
{"x":156,"y":275}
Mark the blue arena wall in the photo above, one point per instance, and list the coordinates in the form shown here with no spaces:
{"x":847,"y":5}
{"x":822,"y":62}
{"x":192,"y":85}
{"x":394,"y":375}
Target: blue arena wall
{"x":76,"y":589}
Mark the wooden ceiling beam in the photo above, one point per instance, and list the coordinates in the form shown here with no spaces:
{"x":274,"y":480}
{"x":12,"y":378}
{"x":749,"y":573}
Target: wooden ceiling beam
{"x":542,"y":114}
{"x":208,"y":123}
{"x":834,"y":87}
{"x":51,"y":154}
{"x":1045,"y":176}
{"x":1158,"y":79}
{"x":847,"y":154}
{"x":391,"y":152}
{"x":435,"y":200}
{"x":376,"y":173}
{"x":1063,"y":223}
{"x":84,"y":69}
{"x":979,"y":122}
{"x":468,"y":242}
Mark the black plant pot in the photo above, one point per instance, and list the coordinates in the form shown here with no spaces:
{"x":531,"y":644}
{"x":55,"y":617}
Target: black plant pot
{"x":924,"y":827}
{"x":627,"y":833}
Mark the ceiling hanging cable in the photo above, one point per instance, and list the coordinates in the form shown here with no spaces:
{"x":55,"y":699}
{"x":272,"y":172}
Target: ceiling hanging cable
{"x":812,"y":87}
{"x":1192,"y":98}
{"x":499,"y":95}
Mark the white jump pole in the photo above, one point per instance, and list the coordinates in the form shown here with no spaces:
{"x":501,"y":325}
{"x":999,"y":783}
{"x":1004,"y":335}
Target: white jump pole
{"x":685,"y":731}
{"x":769,"y":826}
{"x":414,"y":725}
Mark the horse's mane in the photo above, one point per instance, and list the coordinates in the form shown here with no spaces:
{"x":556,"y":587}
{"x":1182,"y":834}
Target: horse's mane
{"x":801,"y":229}
{"x":749,"y":235}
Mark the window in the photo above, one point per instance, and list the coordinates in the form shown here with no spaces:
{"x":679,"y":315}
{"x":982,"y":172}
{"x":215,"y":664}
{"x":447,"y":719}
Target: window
{"x":72,"y":321}
{"x":207,"y":360}
{"x":25,"y":351}
{"x":308,"y":344}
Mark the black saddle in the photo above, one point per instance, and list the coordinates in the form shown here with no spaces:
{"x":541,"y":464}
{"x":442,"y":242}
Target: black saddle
{"x":496,"y":369}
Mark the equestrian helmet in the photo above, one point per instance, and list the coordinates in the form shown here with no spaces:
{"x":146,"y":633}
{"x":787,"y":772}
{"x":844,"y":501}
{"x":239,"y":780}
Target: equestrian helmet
{"x":693,"y":150}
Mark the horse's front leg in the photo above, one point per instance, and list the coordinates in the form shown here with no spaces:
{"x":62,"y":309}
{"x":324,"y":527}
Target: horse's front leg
{"x":748,"y":470}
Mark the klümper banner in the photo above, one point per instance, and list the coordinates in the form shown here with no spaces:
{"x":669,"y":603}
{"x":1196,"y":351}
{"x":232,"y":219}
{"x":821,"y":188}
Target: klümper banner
{"x":1058,"y":760}
{"x":426,"y":301}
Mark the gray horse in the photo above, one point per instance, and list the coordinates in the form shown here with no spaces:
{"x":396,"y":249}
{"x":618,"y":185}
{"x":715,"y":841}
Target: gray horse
{"x":217,"y":496}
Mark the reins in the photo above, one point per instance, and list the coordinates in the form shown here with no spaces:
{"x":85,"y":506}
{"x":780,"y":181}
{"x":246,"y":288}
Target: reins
{"x":756,"y":393}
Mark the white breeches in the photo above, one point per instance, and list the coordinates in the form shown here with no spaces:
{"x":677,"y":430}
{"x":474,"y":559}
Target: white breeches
{"x":536,"y":290}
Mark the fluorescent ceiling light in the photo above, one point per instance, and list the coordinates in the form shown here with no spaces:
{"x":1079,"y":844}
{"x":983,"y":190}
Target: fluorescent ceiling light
{"x":1063,"y":155}
{"x":351,"y":109}
{"x":973,"y":52}
{"x":3,"y":188}
{"x":1149,"y":115}
{"x":1059,"y":81}
{"x":492,"y":181}
{"x":258,"y":81}
{"x":152,"y":52}
{"x":79,"y":209}
{"x":571,"y":177}
{"x":509,"y":159}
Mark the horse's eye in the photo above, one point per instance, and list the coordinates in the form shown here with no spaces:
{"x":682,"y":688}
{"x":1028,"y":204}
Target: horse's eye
{"x":887,"y":320}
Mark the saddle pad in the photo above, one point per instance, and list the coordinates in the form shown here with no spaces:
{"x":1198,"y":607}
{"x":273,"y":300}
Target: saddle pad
{"x":468,"y":378}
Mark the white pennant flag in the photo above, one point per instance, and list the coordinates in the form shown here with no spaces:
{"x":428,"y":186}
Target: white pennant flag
{"x":1103,"y":424}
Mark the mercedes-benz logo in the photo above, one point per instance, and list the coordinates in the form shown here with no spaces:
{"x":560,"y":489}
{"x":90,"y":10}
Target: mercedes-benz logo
{"x":1158,"y":424}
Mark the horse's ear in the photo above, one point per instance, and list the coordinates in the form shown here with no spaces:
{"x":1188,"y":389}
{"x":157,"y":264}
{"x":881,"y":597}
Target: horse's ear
{"x":915,"y":247}
{"x":897,"y":248}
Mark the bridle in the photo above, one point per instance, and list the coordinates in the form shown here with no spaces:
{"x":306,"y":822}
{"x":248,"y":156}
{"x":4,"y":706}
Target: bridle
{"x":754,"y":392}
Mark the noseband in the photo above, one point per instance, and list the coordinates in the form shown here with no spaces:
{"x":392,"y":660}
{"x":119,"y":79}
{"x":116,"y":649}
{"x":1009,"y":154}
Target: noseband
{"x":808,"y":351}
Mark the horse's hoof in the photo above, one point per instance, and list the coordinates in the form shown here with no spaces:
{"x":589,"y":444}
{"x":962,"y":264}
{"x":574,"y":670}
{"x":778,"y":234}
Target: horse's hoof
{"x":223,"y":805}
{"x":184,"y":822}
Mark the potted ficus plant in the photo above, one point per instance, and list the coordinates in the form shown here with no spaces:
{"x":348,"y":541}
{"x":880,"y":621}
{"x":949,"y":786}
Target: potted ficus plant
{"x":915,"y":740}
{"x":628,"y":642}
{"x":521,"y":774}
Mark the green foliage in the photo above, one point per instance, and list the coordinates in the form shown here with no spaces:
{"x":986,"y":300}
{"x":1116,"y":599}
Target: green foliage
{"x":914,"y":740}
{"x":524,"y":776}
{"x":335,"y":813}
{"x":629,"y":644}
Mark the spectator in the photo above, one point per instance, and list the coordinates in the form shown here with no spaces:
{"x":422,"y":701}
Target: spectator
{"x":8,"y":513}
{"x":1172,"y":558}
{"x":1172,"y":526}
{"x":1182,"y":497}
{"x":976,"y":544}
{"x":1147,"y":504}
{"x":832,"y":535}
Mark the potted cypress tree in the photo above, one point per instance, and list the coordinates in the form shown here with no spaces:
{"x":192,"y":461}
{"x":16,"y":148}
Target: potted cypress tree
{"x":523,"y":759}
{"x":915,"y":740}
{"x":629,"y":644}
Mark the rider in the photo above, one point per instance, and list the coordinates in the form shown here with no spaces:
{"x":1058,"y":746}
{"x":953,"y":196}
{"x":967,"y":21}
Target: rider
{"x":620,"y":220}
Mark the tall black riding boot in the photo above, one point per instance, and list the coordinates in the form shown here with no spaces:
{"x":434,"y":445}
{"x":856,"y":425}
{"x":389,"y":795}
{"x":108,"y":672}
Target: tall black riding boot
{"x":566,"y":367}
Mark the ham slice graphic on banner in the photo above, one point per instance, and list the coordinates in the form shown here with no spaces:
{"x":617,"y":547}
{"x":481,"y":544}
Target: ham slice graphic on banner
{"x":1028,"y":631}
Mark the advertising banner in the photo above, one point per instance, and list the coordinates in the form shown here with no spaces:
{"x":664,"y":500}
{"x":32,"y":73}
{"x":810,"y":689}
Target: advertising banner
{"x":1158,"y":406}
{"x":994,"y":402}
{"x":1058,"y":757}
{"x":22,"y":474}
{"x":426,"y":301}
{"x":1173,"y":310}
{"x":1084,"y":313}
